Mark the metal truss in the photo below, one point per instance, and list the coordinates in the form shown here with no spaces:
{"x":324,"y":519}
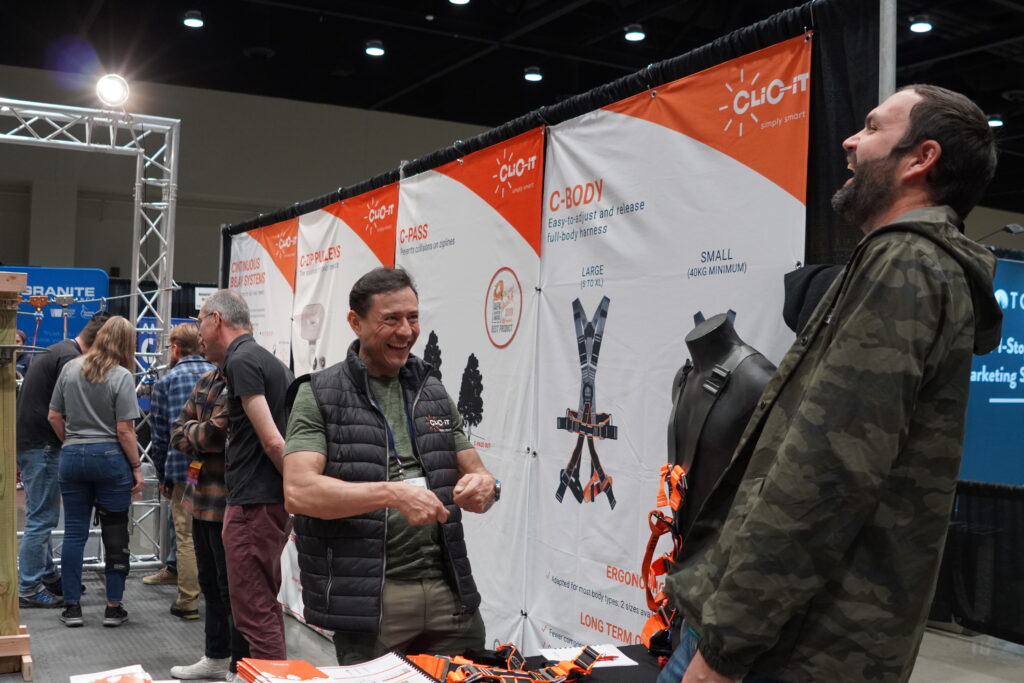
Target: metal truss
{"x":153,"y":141}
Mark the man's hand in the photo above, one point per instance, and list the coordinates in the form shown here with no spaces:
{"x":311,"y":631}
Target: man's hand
{"x":700,"y":672}
{"x":419,"y":505}
{"x":165,"y":489}
{"x":474,"y":492}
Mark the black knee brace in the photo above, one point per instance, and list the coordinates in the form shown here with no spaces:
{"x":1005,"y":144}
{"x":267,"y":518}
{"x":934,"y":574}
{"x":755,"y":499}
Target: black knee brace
{"x":114,"y":530}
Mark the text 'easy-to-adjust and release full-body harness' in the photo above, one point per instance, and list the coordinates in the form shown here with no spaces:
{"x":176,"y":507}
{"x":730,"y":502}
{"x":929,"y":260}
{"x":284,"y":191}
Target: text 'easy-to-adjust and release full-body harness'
{"x":586,"y":422}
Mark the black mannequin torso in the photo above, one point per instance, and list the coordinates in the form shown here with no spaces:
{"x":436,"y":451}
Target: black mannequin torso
{"x":712,"y":407}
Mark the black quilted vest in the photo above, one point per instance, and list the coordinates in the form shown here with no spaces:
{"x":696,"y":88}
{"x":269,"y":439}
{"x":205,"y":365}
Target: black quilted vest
{"x":341,"y":561}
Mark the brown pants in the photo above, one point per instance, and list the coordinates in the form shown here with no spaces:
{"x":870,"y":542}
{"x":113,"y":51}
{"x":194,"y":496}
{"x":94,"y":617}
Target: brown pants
{"x":188,"y":573}
{"x":419,"y":618}
{"x":254,"y":537}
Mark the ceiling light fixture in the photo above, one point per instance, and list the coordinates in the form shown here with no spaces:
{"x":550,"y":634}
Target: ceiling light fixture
{"x":112,"y":90}
{"x":375,"y":48}
{"x":635,"y":33}
{"x":533,"y":74}
{"x":995,"y":120}
{"x":193,"y":19}
{"x":459,"y":2}
{"x":920,"y":24}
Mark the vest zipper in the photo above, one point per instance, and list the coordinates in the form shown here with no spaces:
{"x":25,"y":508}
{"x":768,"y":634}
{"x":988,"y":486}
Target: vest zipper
{"x":383,"y":574}
{"x":441,"y":527}
{"x":387,"y":477}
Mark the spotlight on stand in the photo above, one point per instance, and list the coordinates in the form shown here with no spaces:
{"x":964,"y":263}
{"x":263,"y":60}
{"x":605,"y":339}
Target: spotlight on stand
{"x":375,"y":48}
{"x":920,"y":24}
{"x":995,"y":120}
{"x":635,"y":33}
{"x":112,"y":90}
{"x":193,"y":19}
{"x":533,"y":74}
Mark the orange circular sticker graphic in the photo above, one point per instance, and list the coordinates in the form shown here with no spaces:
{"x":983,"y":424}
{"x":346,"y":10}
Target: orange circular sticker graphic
{"x":503,"y":307}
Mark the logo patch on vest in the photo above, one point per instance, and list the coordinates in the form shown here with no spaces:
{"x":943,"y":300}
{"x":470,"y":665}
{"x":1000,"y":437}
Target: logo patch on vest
{"x":438,"y":424}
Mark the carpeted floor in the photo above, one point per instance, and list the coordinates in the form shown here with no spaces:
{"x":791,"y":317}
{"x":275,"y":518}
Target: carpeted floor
{"x":151,"y":636}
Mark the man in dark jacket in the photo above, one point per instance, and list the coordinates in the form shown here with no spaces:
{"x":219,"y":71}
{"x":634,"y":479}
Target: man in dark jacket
{"x":378,"y":472}
{"x":816,"y":557}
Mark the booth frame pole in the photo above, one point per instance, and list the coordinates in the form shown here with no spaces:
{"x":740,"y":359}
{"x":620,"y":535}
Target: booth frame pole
{"x":886,"y":48}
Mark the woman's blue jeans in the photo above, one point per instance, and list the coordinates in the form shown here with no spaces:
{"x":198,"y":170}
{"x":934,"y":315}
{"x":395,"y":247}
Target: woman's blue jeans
{"x":91,"y":475}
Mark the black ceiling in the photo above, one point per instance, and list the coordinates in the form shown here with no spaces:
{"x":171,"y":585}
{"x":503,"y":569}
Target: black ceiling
{"x":465,"y":63}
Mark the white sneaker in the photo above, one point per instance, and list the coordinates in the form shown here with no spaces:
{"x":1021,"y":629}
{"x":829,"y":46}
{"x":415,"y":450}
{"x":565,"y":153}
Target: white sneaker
{"x":233,"y":678}
{"x":204,"y":668}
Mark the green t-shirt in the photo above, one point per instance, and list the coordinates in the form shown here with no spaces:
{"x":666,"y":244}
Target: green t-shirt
{"x":414,"y":551}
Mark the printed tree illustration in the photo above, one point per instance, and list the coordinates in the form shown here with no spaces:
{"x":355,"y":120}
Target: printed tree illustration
{"x":471,"y":395}
{"x":432,"y":355}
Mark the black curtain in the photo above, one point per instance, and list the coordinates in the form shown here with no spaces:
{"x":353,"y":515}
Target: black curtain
{"x":981,"y":585}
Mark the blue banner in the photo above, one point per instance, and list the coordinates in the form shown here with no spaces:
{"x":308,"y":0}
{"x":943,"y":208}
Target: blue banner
{"x":995,"y":429}
{"x":85,"y":286}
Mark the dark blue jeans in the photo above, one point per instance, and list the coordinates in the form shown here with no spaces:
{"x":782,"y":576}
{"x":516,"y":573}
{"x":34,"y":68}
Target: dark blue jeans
{"x":222,"y":638}
{"x":679,"y":662}
{"x":91,"y":475}
{"x":42,"y":513}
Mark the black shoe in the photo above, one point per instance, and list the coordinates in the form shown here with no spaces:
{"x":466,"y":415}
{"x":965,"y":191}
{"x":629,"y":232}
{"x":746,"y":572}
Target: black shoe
{"x":114,"y":616}
{"x":186,"y":614}
{"x":72,"y":616}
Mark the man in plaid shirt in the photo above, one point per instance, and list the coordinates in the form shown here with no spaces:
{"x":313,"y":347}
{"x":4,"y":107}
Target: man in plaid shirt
{"x":169,"y":396}
{"x":200,"y":432}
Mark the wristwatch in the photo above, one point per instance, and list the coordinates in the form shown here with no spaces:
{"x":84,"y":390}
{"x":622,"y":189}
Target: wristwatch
{"x":497,"y":491}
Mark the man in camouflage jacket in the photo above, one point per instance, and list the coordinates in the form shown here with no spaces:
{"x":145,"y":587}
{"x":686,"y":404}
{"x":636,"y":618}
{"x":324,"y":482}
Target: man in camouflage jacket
{"x":816,"y":556}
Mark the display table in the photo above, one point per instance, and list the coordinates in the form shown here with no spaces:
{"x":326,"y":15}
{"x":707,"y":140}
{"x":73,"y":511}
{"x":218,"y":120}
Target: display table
{"x":646,"y":671}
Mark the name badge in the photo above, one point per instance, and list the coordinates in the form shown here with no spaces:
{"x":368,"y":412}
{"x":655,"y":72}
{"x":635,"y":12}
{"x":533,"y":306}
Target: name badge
{"x":192,"y":476}
{"x":417,"y":481}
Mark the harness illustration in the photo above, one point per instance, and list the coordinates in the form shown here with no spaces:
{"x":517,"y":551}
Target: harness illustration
{"x":587,"y":423}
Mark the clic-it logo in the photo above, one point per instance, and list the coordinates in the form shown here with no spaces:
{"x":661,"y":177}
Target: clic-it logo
{"x":376,"y":213}
{"x":510,"y":170}
{"x":746,"y":97}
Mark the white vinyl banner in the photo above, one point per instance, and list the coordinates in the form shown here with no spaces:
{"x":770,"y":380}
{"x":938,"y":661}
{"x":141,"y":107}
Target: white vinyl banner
{"x":687,"y":199}
{"x":337,"y":245}
{"x":469,"y":233}
{"x":262,"y":270}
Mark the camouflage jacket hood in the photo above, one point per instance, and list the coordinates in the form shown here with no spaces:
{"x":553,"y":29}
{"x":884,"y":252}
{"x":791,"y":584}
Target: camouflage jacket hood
{"x":815,"y":557}
{"x":977,"y":262}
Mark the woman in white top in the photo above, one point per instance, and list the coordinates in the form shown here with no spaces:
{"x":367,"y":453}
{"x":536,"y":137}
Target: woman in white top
{"x":93,"y":411}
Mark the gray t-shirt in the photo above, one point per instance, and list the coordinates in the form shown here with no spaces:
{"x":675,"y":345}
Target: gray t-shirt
{"x":92,"y":411}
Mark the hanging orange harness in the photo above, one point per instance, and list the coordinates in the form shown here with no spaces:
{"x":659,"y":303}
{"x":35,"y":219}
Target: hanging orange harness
{"x":671,"y":492}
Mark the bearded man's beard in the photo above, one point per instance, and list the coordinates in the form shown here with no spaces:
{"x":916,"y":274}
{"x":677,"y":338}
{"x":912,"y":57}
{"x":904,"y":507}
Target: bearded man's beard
{"x":869,"y":194}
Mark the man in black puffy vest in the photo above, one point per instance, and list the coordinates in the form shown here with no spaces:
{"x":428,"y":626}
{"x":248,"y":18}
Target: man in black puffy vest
{"x":378,"y":471}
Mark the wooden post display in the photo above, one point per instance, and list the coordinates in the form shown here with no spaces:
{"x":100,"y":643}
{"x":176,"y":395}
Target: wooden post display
{"x":15,"y":649}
